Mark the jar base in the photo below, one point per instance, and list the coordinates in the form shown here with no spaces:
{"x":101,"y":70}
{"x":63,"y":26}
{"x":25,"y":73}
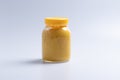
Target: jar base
{"x":50,"y":61}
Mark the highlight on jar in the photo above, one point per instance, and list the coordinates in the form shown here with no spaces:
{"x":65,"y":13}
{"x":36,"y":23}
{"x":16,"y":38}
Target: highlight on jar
{"x":56,"y":40}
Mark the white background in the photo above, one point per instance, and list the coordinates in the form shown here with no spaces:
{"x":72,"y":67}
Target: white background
{"x":95,"y":44}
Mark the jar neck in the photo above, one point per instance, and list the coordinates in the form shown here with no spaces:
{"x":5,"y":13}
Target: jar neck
{"x":55,"y":27}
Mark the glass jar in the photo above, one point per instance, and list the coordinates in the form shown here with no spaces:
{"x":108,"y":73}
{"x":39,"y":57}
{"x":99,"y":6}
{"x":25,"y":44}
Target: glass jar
{"x":56,"y":40}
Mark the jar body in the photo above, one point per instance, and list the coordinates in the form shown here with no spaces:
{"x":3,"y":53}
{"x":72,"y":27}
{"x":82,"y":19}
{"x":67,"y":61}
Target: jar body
{"x":56,"y":44}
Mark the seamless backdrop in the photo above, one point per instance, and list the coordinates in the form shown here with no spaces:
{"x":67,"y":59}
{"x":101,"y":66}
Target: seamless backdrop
{"x":95,"y":42}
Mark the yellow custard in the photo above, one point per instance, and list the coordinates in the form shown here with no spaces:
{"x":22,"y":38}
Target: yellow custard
{"x":56,"y":40}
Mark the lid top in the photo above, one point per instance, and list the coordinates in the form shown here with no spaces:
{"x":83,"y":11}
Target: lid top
{"x":56,"y":21}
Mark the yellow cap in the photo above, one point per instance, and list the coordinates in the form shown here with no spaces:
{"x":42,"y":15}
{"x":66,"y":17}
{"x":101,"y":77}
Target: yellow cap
{"x":56,"y":21}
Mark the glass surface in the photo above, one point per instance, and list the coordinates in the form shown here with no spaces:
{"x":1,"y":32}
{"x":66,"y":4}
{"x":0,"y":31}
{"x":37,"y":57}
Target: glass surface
{"x":56,"y":44}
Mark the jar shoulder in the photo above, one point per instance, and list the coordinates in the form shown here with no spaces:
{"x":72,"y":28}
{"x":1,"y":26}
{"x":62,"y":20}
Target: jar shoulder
{"x":64,"y":29}
{"x":57,"y":32}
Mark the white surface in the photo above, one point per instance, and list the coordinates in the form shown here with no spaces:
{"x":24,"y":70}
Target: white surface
{"x":95,"y":44}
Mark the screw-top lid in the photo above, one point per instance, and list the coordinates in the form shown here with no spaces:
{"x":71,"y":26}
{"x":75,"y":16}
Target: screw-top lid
{"x":56,"y":21}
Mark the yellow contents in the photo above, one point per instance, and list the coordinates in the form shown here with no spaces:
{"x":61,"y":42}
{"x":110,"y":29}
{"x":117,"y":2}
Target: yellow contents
{"x":56,"y":41}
